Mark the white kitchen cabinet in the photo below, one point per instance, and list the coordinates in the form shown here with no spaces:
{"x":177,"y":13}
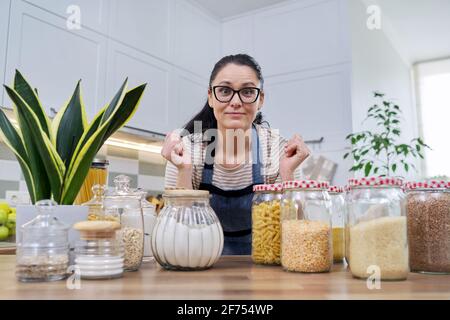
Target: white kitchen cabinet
{"x":54,"y":58}
{"x":4,"y":20}
{"x":92,"y":13}
{"x":197,"y":39}
{"x":154,"y":113}
{"x":192,"y":92}
{"x":142,"y":24}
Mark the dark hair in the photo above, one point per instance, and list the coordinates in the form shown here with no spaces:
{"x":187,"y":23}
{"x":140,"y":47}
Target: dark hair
{"x":206,"y":115}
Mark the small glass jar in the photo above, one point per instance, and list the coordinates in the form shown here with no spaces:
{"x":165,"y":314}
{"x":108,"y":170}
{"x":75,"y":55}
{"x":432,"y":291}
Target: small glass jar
{"x":377,"y":224}
{"x":187,"y":234}
{"x":98,"y":174}
{"x":428,"y":209}
{"x":96,"y":211}
{"x":149,"y":213}
{"x":346,"y":224}
{"x":98,"y":254}
{"x":306,"y":240}
{"x":43,"y":250}
{"x":266,"y":227}
{"x":338,"y":222}
{"x":126,"y":204}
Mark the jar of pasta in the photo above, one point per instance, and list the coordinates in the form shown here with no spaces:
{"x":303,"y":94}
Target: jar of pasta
{"x":337,"y":221}
{"x":98,"y":174}
{"x":306,"y":227}
{"x":266,"y":233}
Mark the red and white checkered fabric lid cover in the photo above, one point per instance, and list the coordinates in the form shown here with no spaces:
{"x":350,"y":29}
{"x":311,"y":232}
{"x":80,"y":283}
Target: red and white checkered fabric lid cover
{"x":306,"y":184}
{"x":268,"y":187}
{"x":375,"y":181}
{"x":430,"y":184}
{"x":336,"y":189}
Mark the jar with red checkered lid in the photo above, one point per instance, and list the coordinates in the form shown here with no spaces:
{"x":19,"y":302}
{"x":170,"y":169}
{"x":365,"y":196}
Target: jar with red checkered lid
{"x":306,"y":240}
{"x":337,"y":222}
{"x":377,"y":228}
{"x":266,"y":233}
{"x":428,"y":212}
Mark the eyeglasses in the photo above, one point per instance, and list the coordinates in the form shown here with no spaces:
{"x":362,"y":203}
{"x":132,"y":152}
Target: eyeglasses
{"x":226,"y":94}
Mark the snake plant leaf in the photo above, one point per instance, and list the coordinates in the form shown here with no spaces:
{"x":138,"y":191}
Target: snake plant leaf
{"x":12,"y":139}
{"x":44,"y":151}
{"x":128,"y":105}
{"x":29,"y":95}
{"x":125,"y":113}
{"x":69,"y":125}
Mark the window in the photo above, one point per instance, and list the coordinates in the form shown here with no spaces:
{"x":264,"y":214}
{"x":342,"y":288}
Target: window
{"x":433,"y":97}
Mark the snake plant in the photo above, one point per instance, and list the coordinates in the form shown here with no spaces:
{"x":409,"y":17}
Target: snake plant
{"x":55,"y":154}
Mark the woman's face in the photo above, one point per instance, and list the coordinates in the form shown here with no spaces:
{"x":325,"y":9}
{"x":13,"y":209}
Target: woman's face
{"x":235,"y":114}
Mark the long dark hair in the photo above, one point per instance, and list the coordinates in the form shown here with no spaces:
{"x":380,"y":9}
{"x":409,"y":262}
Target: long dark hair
{"x":206,"y":115}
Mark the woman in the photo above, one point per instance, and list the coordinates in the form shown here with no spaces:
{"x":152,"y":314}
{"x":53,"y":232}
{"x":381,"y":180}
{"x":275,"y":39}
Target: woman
{"x":243,"y":152}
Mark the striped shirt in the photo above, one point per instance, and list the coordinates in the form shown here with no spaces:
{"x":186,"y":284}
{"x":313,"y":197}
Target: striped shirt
{"x":239,"y":177}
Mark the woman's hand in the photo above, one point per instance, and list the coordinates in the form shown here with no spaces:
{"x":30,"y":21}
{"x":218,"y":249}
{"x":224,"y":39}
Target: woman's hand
{"x":174,"y":151}
{"x":295,"y":152}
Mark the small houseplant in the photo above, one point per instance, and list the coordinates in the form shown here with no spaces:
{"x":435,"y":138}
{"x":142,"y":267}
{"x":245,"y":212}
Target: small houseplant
{"x":380,"y":153}
{"x":55,"y":155}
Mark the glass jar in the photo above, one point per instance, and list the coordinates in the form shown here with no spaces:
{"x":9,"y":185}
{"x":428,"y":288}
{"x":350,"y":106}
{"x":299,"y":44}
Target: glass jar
{"x":99,"y":254}
{"x":98,"y":174}
{"x":306,"y":241}
{"x":346,"y":224}
{"x":266,"y":228}
{"x":428,"y":209}
{"x":338,"y":222}
{"x":149,"y":213}
{"x":43,"y":248}
{"x":126,"y":204}
{"x":95,"y":205}
{"x":187,"y":234}
{"x":377,"y":224}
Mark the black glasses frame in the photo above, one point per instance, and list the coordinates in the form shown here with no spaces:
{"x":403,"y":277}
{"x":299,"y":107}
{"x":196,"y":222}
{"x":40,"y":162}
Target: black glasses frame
{"x":234,"y":92}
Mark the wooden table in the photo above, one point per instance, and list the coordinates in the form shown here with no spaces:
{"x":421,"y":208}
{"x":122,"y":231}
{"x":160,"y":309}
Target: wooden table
{"x":233,"y":277}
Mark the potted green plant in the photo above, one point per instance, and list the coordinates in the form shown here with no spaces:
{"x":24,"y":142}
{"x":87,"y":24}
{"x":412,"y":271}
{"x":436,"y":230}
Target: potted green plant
{"x":380,"y":153}
{"x":55,"y":154}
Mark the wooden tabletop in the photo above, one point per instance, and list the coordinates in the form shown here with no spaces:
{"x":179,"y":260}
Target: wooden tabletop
{"x":233,"y":277}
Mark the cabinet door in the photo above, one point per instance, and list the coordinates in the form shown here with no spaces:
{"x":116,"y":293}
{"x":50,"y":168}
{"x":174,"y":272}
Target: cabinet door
{"x":4,"y":19}
{"x":142,"y":24}
{"x":196,"y":39}
{"x":54,"y":58}
{"x":154,"y":113}
{"x":91,"y":13}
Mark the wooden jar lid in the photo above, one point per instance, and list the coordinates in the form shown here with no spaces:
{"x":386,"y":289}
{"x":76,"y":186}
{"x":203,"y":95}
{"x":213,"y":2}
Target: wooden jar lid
{"x":90,"y":230}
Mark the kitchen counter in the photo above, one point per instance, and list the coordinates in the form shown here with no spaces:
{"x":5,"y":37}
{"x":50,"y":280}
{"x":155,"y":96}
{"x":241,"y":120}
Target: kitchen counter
{"x":233,"y":277}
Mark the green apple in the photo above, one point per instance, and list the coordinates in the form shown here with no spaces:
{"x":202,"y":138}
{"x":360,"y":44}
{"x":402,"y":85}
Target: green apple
{"x":3,"y":216}
{"x":4,"y":233}
{"x":4,"y":206}
{"x":12,"y":210}
{"x":11,"y":223}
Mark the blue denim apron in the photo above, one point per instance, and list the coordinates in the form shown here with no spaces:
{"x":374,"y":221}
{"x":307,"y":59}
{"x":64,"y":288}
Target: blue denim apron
{"x":233,"y":207}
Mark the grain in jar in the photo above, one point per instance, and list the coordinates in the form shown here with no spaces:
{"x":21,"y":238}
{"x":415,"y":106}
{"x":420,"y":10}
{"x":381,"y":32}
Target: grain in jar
{"x":377,"y":228}
{"x":266,"y":231}
{"x":337,"y":222}
{"x":428,"y":209}
{"x":306,"y":239}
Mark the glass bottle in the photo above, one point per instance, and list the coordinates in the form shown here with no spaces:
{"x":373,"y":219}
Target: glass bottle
{"x":187,"y":234}
{"x":149,"y":213}
{"x":266,"y":227}
{"x":126,"y":204}
{"x":337,"y":222}
{"x":98,"y":174}
{"x":306,"y":240}
{"x":43,"y":248}
{"x":378,"y":228}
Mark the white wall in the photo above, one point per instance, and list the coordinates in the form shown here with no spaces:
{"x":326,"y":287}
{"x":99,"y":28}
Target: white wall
{"x":304,"y":51}
{"x":378,"y":66}
{"x":156,"y":41}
